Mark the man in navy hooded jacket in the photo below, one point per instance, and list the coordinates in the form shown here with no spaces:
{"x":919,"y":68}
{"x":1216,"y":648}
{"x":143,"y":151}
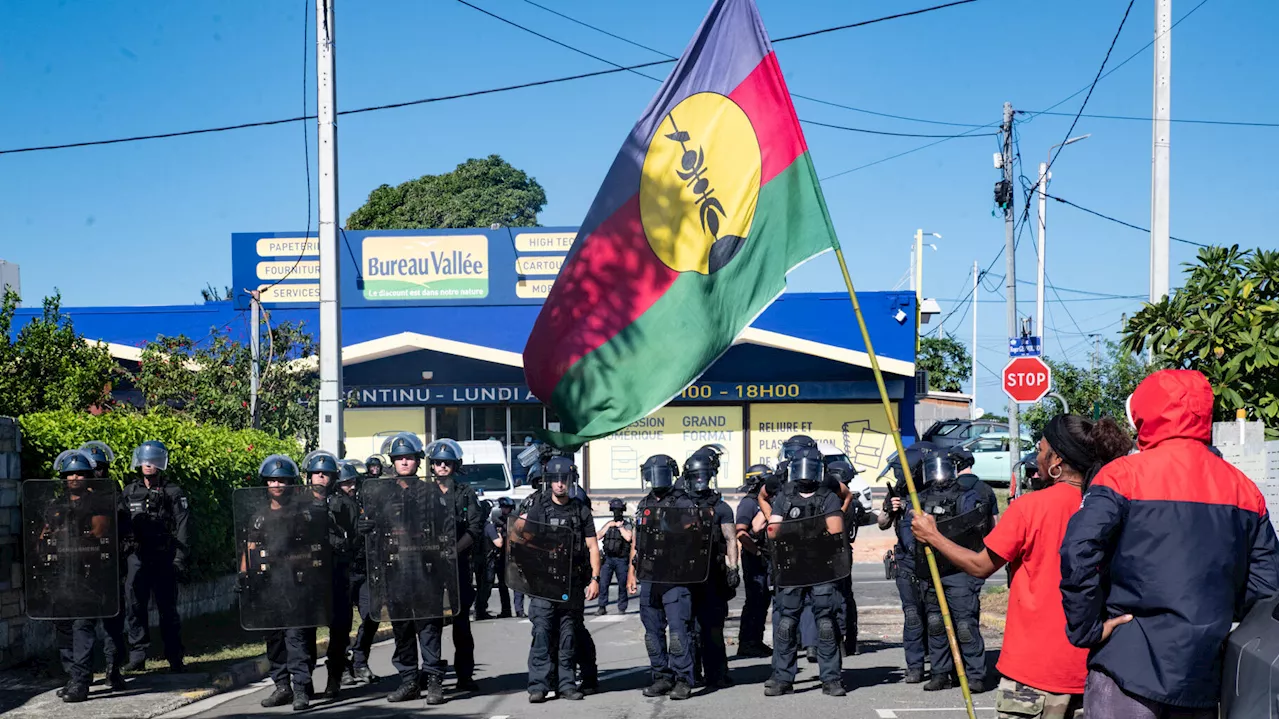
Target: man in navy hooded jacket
{"x":1169,"y":547}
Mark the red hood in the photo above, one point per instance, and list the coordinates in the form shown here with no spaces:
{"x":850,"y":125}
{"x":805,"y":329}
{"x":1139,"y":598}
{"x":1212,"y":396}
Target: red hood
{"x":1172,"y":403}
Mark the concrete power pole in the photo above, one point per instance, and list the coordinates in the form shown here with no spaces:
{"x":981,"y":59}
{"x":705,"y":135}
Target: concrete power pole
{"x":1043,"y":186}
{"x":1010,"y":274}
{"x":255,"y":339}
{"x":330,"y":277}
{"x":973,"y":369}
{"x":1160,"y":99}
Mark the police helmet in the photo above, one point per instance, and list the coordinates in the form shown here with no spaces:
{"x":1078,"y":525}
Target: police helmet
{"x":506,"y":502}
{"x":279,"y":467}
{"x":402,"y":444}
{"x":961,"y":458}
{"x":939,"y":469}
{"x":486,"y":507}
{"x":796,"y":442}
{"x":699,"y":470}
{"x":534,"y":476}
{"x":372,"y":462}
{"x":152,"y":452}
{"x":805,"y":467}
{"x":444,"y":450}
{"x":916,"y":455}
{"x":100,"y":453}
{"x":348,"y":471}
{"x":560,"y":469}
{"x":320,"y":461}
{"x":842,"y":471}
{"x":713,"y":453}
{"x":73,"y":461}
{"x":754,"y":477}
{"x":659,"y":472}
{"x":617,"y":505}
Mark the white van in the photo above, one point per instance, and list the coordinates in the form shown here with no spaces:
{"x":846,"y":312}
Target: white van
{"x":485,"y":467}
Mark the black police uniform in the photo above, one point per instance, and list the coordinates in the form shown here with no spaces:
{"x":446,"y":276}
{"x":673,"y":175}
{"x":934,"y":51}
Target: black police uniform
{"x":343,"y":511}
{"x":945,"y":499}
{"x":615,"y":555}
{"x":499,"y":523}
{"x":711,"y":598}
{"x":667,"y":609}
{"x":160,"y":548}
{"x":755,"y":580}
{"x":359,"y":595}
{"x":910,"y":587}
{"x":290,"y":652}
{"x":482,"y":565}
{"x":558,"y":625}
{"x":466,"y":511}
{"x":789,"y":601}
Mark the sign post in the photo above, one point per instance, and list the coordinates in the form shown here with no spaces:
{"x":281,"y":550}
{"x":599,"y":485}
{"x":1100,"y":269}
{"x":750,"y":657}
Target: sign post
{"x":1026,"y":379}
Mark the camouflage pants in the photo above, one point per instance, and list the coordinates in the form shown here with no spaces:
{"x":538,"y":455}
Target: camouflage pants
{"x":1015,"y":700}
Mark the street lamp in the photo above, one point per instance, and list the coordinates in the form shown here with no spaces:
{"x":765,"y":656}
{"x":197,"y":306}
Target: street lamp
{"x":917,"y":281}
{"x":1042,"y":187}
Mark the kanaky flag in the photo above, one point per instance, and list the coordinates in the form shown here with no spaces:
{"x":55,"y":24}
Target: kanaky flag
{"x":711,"y":201}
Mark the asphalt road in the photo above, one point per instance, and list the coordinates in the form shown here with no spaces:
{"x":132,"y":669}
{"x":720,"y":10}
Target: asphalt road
{"x":873,"y":677}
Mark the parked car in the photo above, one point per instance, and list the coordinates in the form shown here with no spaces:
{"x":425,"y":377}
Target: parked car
{"x":951,"y":432}
{"x":991,"y":456}
{"x":485,"y":468}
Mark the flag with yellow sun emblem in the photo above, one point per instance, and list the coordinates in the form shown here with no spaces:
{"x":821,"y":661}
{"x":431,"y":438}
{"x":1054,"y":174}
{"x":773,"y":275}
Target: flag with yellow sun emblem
{"x":711,"y":201}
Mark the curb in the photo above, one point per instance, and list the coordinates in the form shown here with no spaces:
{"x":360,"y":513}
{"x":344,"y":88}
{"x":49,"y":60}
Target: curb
{"x":242,"y":674}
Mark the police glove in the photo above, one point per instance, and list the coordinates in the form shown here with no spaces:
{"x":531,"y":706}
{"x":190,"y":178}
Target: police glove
{"x":733,"y":578}
{"x":364,"y":525}
{"x":242,"y":583}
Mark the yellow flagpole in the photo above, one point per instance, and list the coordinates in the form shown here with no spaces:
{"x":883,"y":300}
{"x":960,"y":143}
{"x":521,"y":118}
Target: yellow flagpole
{"x":911,"y":485}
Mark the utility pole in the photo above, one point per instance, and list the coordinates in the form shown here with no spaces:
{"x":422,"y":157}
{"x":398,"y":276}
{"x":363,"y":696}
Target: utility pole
{"x":917,"y":279}
{"x":330,"y":280}
{"x":973,"y":370}
{"x":1043,"y":185}
{"x":255,"y":340}
{"x":1010,"y":272}
{"x":1160,"y":99}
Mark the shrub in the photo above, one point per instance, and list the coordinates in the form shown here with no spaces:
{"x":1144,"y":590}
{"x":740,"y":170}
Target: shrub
{"x":208,"y":462}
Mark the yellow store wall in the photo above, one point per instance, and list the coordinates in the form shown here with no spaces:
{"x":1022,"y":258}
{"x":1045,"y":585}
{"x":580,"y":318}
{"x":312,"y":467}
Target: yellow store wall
{"x":614,"y":461}
{"x":859,"y":430}
{"x":366,"y":428}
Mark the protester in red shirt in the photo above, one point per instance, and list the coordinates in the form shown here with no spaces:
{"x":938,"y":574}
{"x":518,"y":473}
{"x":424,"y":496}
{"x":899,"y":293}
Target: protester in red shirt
{"x":1043,"y":675}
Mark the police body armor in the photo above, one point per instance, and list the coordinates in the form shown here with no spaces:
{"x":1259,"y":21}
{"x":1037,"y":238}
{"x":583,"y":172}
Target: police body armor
{"x":804,"y":551}
{"x":543,"y":558}
{"x":153,"y":520}
{"x":673,"y":543}
{"x":71,"y":549}
{"x":285,"y":557}
{"x":708,"y":504}
{"x":411,"y":554}
{"x":965,"y":528}
{"x":614,"y":545}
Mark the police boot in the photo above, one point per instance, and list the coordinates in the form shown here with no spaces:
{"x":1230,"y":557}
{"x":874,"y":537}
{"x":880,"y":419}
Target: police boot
{"x":115,"y":680}
{"x":602,"y":611}
{"x":435,"y":690}
{"x":775,"y":688}
{"x":681,"y":690}
{"x":301,"y":700}
{"x":281,"y":696}
{"x":754,"y":650}
{"x":62,"y":690}
{"x":466,"y":684}
{"x":833,"y":689}
{"x":349,"y":676}
{"x":76,"y":693}
{"x":407,"y":690}
{"x":333,"y":685}
{"x":938,"y":683}
{"x":914,"y":675}
{"x":572,"y":694}
{"x":589,"y":687}
{"x":537,"y":696}
{"x":724,"y":681}
{"x":977,"y":686}
{"x":661,"y":686}
{"x":135,"y":665}
{"x":365,"y":675}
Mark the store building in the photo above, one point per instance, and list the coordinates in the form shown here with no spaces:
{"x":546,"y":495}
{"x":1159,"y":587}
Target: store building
{"x":440,"y":355}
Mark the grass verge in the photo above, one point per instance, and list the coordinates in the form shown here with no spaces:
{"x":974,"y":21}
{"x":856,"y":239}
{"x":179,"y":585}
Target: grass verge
{"x":995,"y":602}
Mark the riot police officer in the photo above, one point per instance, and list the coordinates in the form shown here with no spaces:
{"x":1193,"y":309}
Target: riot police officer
{"x":324,"y":472}
{"x":711,"y":597}
{"x":445,"y":458}
{"x":356,"y":662}
{"x":902,"y":559}
{"x":560,"y":623}
{"x":750,"y":527}
{"x":160,"y":519}
{"x":482,"y":561}
{"x":506,"y":506}
{"x":842,"y":472}
{"x":944,"y":498}
{"x":534,"y":478}
{"x":90,"y":513}
{"x":373,"y":467}
{"x":666,"y":609}
{"x":615,"y":544}
{"x":804,"y":497}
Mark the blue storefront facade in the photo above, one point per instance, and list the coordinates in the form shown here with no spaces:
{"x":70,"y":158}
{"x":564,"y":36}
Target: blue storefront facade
{"x":439,"y":352}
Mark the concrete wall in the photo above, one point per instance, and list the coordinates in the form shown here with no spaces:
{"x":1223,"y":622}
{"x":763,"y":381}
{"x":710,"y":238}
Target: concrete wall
{"x":1243,"y":445}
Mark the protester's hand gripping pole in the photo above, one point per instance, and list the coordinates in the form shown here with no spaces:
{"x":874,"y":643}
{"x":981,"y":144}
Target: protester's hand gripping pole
{"x":911,"y":485}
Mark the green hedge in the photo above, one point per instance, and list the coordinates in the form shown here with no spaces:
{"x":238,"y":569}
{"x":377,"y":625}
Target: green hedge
{"x":208,"y":462}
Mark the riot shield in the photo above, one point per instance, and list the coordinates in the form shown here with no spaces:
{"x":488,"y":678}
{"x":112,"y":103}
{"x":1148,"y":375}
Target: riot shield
{"x":285,"y":560}
{"x":412,"y":555}
{"x":71,"y":548}
{"x":806,"y":553}
{"x":540,"y":559}
{"x":673,"y":544}
{"x":967,"y":530}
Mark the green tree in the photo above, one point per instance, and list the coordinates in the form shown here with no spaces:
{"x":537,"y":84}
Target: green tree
{"x":1222,"y":322}
{"x":208,"y":381}
{"x":48,"y":366}
{"x":946,"y":360}
{"x":1098,"y":390}
{"x":477,"y":193}
{"x":211,"y":293}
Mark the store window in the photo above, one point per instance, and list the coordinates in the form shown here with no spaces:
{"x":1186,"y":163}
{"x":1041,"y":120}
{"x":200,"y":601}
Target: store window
{"x":525,"y":420}
{"x":489,"y":423}
{"x":453,"y":423}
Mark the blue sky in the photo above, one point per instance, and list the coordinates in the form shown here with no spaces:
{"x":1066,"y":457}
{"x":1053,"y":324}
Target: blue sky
{"x":149,"y":222}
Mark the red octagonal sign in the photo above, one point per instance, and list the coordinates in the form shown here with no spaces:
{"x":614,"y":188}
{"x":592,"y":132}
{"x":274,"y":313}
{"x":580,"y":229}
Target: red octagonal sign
{"x":1026,"y":379}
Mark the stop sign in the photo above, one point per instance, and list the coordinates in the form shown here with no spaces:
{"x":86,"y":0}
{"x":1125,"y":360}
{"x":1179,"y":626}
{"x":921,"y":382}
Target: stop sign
{"x":1026,"y":379}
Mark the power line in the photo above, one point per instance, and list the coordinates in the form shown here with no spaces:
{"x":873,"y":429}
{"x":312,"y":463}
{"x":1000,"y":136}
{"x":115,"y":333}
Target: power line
{"x":883,"y":132}
{"x":445,"y":98}
{"x":1232,"y":123}
{"x":1130,"y":225}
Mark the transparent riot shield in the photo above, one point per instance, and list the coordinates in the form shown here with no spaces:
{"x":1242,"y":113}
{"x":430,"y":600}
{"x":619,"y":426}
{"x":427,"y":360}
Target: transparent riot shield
{"x":967,"y":530}
{"x":540,"y":559}
{"x":673,"y":544}
{"x":284,"y":557}
{"x":71,"y":548}
{"x":412,"y":554}
{"x":810,"y":551}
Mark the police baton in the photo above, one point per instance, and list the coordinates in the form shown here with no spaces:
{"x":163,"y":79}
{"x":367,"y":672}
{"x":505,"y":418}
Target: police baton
{"x":906,"y":473}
